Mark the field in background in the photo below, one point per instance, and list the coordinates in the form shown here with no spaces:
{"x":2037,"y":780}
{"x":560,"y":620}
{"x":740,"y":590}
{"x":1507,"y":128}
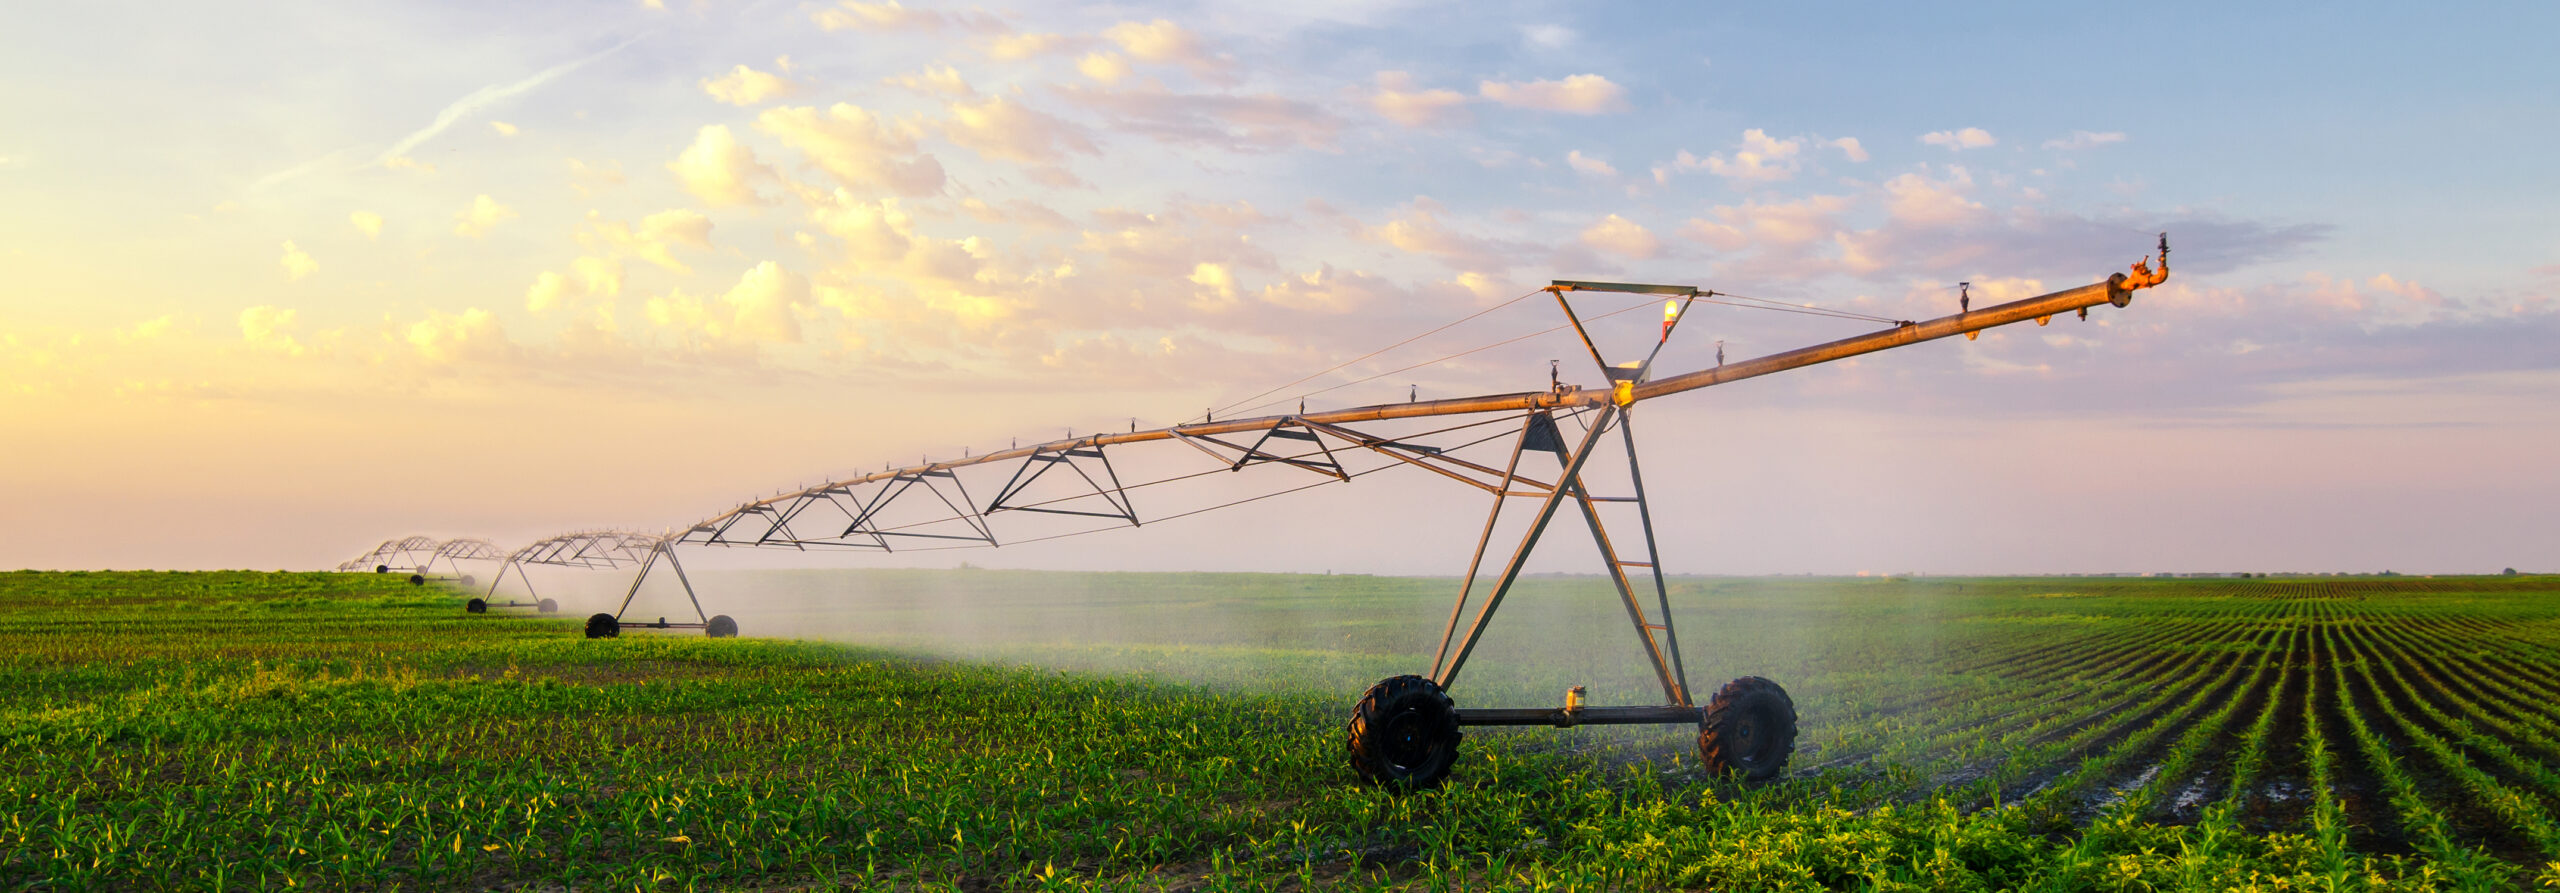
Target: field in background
{"x":1030,"y":730}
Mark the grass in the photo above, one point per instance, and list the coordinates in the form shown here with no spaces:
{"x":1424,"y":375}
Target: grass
{"x":996,"y":730}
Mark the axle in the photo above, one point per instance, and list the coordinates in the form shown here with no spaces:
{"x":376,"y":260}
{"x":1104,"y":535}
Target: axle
{"x":1568,"y":717}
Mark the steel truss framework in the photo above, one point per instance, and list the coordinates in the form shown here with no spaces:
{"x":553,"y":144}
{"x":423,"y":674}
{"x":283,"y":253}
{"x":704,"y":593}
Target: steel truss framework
{"x":1404,"y":731}
{"x":407,"y":554}
{"x":454,"y":552}
{"x":588,"y":549}
{"x":848,"y":514}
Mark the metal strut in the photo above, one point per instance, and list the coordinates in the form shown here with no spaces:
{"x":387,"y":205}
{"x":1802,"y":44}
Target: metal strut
{"x":1040,"y":463}
{"x":898,"y":486}
{"x":1540,"y":433}
{"x":667,"y":549}
{"x":510,"y":564}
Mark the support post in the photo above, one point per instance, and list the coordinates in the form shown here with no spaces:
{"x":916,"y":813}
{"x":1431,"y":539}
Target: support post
{"x":643,"y":577}
{"x":688,"y":583}
{"x":666,"y":548}
{"x":1448,"y":675}
{"x":1501,"y":495}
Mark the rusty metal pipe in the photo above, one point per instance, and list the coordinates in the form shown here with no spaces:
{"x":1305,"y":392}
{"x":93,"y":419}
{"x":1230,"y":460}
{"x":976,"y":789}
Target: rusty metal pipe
{"x":2111,"y":291}
{"x":1562,"y":718}
{"x":2116,"y":290}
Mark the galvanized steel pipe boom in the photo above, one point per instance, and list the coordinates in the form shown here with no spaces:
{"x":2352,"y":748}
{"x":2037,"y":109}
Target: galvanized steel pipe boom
{"x":1404,"y":731}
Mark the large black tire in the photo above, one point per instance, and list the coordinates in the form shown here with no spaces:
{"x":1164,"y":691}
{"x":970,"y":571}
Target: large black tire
{"x":382,"y":568}
{"x":1404,"y":734}
{"x":603,"y":626}
{"x":720,"y":626}
{"x":475,"y":606}
{"x":547,"y":606}
{"x":417,"y":579}
{"x":1749,"y":729}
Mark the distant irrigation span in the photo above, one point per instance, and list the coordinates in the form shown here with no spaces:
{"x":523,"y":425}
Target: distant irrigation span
{"x":1404,"y":731}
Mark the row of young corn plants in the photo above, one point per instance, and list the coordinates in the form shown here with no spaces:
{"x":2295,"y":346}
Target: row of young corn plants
{"x":2470,"y":867}
{"x":2181,"y":667}
{"x":2122,"y":820}
{"x":2508,"y":705}
{"x":2019,"y":754}
{"x":2176,"y":708}
{"x":2375,"y":668}
{"x":2104,"y":678}
{"x":2255,"y":745}
{"x":493,"y":759}
{"x":2328,"y":814}
{"x":1992,"y":707}
{"x":2257,"y":687}
{"x":2519,"y":808}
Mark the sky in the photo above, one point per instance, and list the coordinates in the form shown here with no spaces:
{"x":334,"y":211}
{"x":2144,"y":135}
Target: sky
{"x":278,"y":282}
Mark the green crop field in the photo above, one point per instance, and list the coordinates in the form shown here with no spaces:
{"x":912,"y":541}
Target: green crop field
{"x":1015,"y":730}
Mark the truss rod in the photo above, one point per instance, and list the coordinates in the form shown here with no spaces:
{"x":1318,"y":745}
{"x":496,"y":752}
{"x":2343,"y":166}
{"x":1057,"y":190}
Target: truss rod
{"x":2117,"y":290}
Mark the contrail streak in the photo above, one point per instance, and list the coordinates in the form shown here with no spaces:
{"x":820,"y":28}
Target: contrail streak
{"x":491,"y":95}
{"x":453,"y":114}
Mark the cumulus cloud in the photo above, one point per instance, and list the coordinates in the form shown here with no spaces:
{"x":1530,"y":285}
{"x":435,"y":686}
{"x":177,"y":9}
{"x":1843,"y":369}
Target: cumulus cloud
{"x":1024,"y":46}
{"x":146,"y":330}
{"x":296,"y":262}
{"x":1398,"y":100}
{"x":1329,"y":292}
{"x":592,"y":276}
{"x":600,"y":276}
{"x":720,"y":170}
{"x":549,"y":291}
{"x":944,"y":81}
{"x":2383,"y":298}
{"x":1421,"y":229}
{"x":892,"y":16}
{"x":744,"y":86}
{"x":764,"y":307}
{"x":368,"y":223}
{"x":451,"y":337}
{"x":1588,"y":165}
{"x":1581,"y":94}
{"x":270,"y":328}
{"x":483,"y":214}
{"x":1758,"y":159}
{"x":1241,"y":123}
{"x":1960,"y":140}
{"x":503,"y":128}
{"x":1216,"y":281}
{"x":1917,"y":199}
{"x":1020,"y":212}
{"x":999,"y":127}
{"x":1550,"y":36}
{"x":590,"y":179}
{"x":652,"y":239}
{"x":1111,"y":357}
{"x":879,"y":239}
{"x":1781,"y":225}
{"x":2082,"y":139}
{"x":1848,"y":145}
{"x":1165,"y":43}
{"x":856,"y":147}
{"x":1104,"y":68}
{"x":1622,"y":237}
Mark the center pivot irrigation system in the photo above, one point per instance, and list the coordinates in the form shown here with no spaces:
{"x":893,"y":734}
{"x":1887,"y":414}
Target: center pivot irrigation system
{"x":589,"y":550}
{"x":1405,"y":730}
{"x":408,"y":554}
